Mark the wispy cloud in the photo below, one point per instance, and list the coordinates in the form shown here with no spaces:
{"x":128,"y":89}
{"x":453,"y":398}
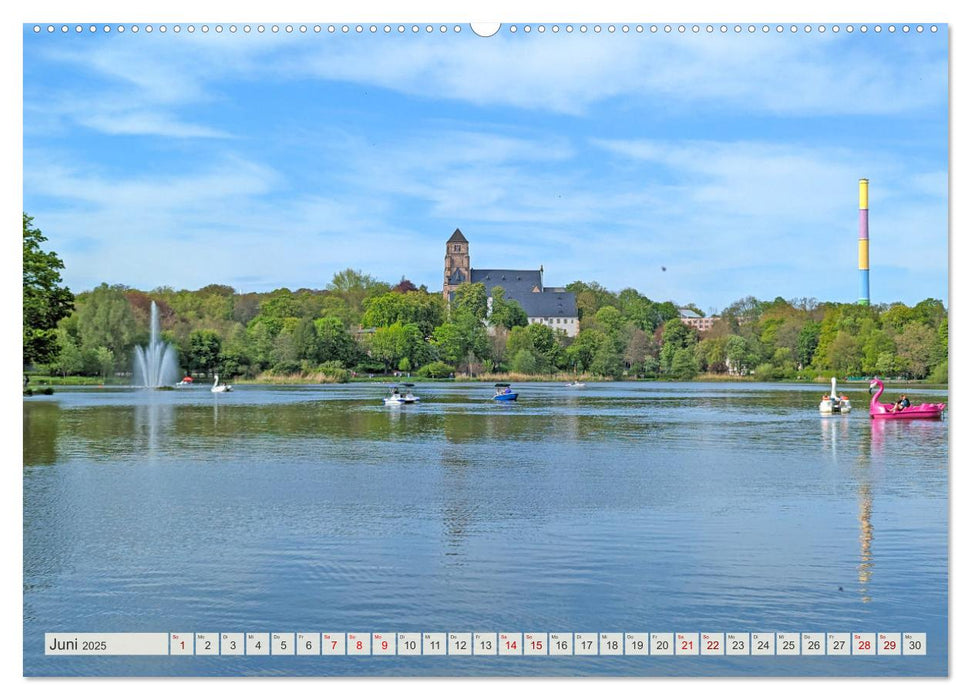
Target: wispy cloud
{"x":277,"y":160}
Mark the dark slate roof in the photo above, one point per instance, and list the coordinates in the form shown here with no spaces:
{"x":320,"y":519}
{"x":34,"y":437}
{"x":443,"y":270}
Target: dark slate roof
{"x":545,"y":304}
{"x":519,"y":285}
{"x":515,"y":282}
{"x":457,"y":237}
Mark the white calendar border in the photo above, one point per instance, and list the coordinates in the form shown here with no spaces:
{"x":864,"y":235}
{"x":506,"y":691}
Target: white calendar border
{"x":11,"y":648}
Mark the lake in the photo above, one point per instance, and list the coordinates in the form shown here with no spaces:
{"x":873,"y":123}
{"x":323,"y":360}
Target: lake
{"x":619,"y":507}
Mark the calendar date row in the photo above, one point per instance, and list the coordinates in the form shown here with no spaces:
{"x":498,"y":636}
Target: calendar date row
{"x":487,"y":644}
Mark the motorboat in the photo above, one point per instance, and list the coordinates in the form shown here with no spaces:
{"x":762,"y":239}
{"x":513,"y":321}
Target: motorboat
{"x":834,"y":403}
{"x":575,"y":385}
{"x":893,"y":411}
{"x":396,"y":398}
{"x":504,"y":393}
{"x":218,"y":388}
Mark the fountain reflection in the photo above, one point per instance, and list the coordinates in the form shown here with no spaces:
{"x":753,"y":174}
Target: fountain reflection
{"x":153,"y":425}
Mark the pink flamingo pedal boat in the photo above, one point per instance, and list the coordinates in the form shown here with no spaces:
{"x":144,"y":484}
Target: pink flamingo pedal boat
{"x":886,"y":410}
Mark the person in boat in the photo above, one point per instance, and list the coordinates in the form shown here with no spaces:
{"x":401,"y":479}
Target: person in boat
{"x":904,"y":401}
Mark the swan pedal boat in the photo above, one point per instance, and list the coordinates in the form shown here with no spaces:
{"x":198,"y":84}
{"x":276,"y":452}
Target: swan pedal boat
{"x":885,"y":410}
{"x":218,"y":388}
{"x":834,"y":403}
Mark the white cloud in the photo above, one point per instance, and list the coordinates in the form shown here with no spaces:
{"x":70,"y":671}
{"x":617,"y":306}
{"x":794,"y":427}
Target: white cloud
{"x":773,"y":74}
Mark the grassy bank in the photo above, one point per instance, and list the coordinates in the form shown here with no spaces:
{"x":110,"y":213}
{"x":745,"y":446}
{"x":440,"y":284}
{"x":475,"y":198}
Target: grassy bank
{"x":48,"y":380}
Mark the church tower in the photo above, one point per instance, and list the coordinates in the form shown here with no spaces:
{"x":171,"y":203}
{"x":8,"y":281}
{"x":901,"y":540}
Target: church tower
{"x":457,"y":266}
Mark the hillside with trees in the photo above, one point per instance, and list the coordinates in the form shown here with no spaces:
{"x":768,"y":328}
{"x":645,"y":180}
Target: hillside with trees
{"x":358,"y":325}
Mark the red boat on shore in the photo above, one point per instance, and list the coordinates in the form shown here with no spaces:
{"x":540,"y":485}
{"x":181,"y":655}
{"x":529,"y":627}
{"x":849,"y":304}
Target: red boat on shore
{"x":889,"y":410}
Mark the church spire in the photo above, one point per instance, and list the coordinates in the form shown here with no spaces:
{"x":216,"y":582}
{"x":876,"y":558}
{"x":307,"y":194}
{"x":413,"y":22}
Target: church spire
{"x":457,"y":264}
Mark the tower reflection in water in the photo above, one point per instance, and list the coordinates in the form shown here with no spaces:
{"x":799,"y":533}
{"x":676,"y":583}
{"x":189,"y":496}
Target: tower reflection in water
{"x":835,"y":430}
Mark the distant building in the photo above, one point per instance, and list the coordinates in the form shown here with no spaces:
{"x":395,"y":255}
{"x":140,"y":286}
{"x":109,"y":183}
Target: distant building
{"x":693,"y":319}
{"x":551,"y":306}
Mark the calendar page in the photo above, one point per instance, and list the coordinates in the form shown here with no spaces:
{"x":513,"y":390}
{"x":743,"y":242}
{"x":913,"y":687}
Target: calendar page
{"x":528,"y":349}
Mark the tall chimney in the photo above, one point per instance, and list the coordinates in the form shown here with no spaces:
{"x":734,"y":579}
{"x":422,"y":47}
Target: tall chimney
{"x":864,"y":243}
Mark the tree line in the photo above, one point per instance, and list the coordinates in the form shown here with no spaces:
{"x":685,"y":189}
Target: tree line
{"x":358,"y":324}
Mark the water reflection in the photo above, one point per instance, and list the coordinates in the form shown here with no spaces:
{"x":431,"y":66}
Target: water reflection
{"x":834,"y":430}
{"x":865,"y":501}
{"x":42,"y":423}
{"x":153,"y":425}
{"x":624,"y":505}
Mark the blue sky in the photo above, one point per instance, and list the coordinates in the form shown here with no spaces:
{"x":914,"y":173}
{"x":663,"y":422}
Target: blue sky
{"x":272,"y":160}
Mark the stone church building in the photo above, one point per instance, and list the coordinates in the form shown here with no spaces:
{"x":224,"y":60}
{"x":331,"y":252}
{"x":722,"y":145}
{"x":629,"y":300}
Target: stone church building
{"x":552,"y":306}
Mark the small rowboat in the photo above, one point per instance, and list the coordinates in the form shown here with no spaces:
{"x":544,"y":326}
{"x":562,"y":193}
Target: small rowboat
{"x":504,"y":393}
{"x":889,"y":411}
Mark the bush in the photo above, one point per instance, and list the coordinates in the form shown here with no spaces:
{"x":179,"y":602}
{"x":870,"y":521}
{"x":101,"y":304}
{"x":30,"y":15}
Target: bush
{"x":767,"y":372}
{"x":939,"y":374}
{"x":335,"y":370}
{"x":524,"y":362}
{"x":435,"y":370}
{"x":287,"y":367}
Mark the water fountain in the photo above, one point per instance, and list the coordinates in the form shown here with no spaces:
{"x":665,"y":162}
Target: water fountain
{"x":155,"y":363}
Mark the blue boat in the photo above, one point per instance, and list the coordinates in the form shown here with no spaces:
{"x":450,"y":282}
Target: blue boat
{"x":504,"y":393}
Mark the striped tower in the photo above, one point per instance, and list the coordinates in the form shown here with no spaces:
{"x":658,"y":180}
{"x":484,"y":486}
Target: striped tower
{"x":864,"y":243}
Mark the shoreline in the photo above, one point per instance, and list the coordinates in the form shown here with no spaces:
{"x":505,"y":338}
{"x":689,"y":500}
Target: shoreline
{"x":41,"y":381}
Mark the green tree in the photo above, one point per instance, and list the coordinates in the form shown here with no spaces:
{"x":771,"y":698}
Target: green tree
{"x":450,"y":342}
{"x":525,"y":362}
{"x":45,"y":300}
{"x":69,"y":359}
{"x":234,"y":360}
{"x":284,"y":355}
{"x":676,"y":336}
{"x":308,"y":344}
{"x":637,"y":349}
{"x":607,"y":361}
{"x":845,"y":355}
{"x":807,"y":342}
{"x":506,"y":313}
{"x":205,"y":348}
{"x":106,"y":361}
{"x":684,"y":365}
{"x":334,"y":342}
{"x":470,"y":299}
{"x":712,"y":354}
{"x":611,"y":320}
{"x":391,"y":344}
{"x":738,"y":355}
{"x":876,"y":344}
{"x":105,"y":319}
{"x":353,"y":287}
{"x":915,"y":348}
{"x":584,"y":348}
{"x":424,"y":309}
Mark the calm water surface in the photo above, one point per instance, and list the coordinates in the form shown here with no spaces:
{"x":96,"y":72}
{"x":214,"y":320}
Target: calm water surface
{"x":619,"y":507}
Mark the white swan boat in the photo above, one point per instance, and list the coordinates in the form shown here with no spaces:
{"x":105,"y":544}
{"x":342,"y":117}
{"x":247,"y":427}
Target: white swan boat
{"x":218,"y":388}
{"x":834,"y":403}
